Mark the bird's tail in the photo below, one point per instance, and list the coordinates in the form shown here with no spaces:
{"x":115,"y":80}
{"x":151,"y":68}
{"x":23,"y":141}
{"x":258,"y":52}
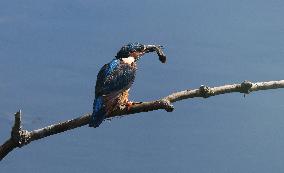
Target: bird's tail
{"x":98,"y":114}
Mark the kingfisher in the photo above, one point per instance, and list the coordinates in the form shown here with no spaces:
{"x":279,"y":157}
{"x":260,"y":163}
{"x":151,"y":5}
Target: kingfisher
{"x":115,"y":79}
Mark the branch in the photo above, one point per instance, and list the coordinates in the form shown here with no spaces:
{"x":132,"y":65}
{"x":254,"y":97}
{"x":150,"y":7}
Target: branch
{"x":21,"y":137}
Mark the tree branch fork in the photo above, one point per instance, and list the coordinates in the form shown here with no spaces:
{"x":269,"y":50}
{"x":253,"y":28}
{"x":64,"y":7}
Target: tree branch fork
{"x":20,"y":137}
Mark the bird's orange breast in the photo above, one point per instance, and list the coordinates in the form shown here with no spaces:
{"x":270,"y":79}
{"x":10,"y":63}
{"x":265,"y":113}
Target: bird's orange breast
{"x":112,"y":104}
{"x":123,"y":97}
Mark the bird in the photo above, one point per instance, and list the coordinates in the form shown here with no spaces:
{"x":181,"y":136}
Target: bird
{"x":115,"y":79}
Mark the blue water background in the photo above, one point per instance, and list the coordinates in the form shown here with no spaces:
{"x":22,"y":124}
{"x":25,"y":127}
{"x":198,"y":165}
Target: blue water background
{"x":51,"y":51}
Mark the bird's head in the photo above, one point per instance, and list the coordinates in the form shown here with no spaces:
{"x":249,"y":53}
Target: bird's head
{"x":136,"y":50}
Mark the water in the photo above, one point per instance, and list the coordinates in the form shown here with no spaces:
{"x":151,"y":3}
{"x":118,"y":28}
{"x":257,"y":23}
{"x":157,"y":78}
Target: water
{"x":51,"y":51}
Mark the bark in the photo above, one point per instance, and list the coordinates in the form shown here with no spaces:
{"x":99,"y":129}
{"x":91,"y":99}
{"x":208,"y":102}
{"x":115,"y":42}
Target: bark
{"x":20,"y":137}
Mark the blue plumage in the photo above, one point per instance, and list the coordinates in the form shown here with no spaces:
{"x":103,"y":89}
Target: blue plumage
{"x":115,"y":79}
{"x":112,"y":65}
{"x":98,"y":112}
{"x":114,"y":76}
{"x":126,"y":50}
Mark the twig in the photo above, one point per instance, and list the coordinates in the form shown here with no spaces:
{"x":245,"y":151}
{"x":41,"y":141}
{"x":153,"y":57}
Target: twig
{"x":21,"y":137}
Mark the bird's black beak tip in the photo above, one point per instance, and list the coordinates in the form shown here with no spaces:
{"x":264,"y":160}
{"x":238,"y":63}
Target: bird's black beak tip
{"x":158,"y":49}
{"x":163,"y":58}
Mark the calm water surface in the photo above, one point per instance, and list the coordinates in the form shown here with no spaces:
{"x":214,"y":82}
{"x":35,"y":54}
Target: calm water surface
{"x":51,"y":51}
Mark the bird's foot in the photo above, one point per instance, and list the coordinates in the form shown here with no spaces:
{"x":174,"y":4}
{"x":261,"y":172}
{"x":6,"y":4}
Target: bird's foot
{"x":127,"y":105}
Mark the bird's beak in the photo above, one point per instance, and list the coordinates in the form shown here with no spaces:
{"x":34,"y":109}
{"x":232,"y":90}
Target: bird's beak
{"x":150,"y":48}
{"x":157,"y":49}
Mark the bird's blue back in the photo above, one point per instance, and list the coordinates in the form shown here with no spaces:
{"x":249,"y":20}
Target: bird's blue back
{"x":113,"y":77}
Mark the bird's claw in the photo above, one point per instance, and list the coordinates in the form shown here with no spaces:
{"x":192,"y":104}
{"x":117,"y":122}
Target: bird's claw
{"x":128,"y":105}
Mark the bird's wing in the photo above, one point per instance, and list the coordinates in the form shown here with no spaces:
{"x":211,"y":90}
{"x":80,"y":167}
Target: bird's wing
{"x":114,"y":77}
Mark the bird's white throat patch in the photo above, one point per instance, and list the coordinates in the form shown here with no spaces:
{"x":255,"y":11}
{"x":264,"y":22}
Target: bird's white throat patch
{"x":128,"y":60}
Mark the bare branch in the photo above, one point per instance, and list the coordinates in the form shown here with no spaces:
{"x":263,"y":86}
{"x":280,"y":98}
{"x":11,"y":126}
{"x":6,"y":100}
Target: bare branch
{"x":21,"y":137}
